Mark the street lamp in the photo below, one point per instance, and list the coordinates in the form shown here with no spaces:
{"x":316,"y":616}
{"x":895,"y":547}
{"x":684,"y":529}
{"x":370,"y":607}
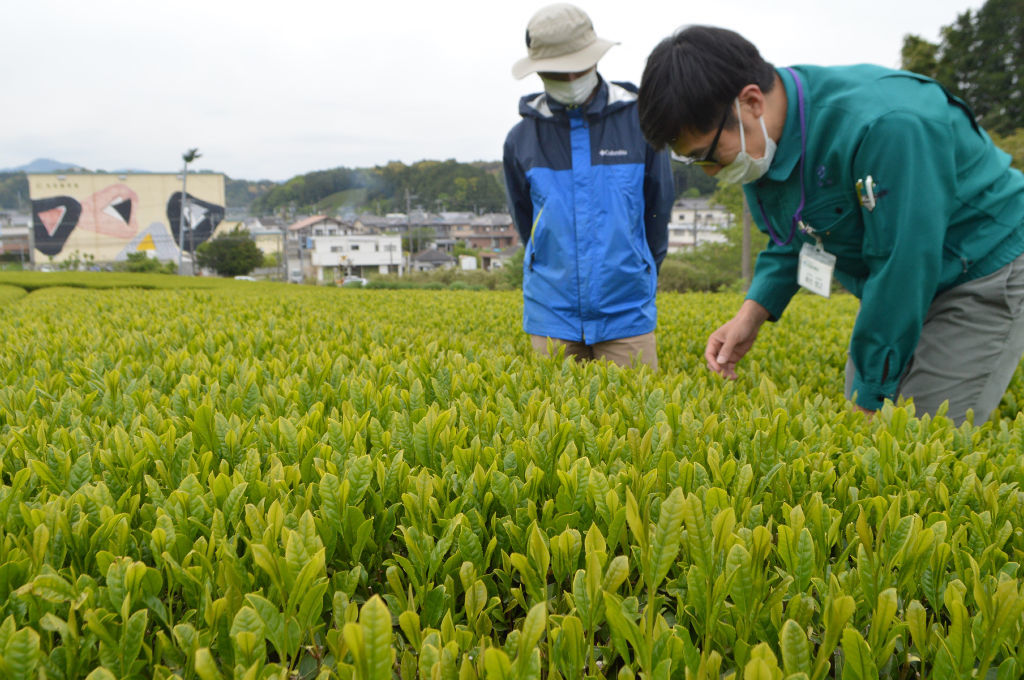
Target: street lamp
{"x":189,"y":156}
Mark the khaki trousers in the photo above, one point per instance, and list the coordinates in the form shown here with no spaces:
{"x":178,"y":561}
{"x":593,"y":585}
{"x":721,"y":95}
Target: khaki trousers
{"x":622,"y":351}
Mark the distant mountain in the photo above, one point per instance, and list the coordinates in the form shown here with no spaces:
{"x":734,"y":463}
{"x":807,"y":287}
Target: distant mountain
{"x":42,"y":165}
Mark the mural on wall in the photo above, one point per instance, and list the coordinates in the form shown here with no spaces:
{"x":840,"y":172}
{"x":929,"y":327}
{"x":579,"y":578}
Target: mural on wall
{"x":109,"y":217}
{"x":201,"y":218}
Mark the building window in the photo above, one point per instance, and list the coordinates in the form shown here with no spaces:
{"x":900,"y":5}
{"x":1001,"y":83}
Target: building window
{"x":355,"y":246}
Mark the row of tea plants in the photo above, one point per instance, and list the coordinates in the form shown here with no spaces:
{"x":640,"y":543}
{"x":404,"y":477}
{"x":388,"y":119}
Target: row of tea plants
{"x":282,"y":482}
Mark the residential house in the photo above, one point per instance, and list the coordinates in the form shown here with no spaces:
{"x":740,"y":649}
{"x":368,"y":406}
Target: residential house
{"x":15,"y":236}
{"x":268,"y":236}
{"x":299,"y":243}
{"x":312,"y":257}
{"x":492,"y":259}
{"x":696,"y":221}
{"x":376,"y":224}
{"x":452,"y":225}
{"x":447,"y":229}
{"x":319,"y":225}
{"x":493,"y":231}
{"x":431,"y":258}
{"x":331,"y":258}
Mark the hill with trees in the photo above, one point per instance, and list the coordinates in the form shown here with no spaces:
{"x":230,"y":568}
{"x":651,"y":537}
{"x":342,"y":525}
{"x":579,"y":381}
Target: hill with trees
{"x":14,"y":190}
{"x":241,"y":193}
{"x":432,"y":185}
{"x":428,"y":184}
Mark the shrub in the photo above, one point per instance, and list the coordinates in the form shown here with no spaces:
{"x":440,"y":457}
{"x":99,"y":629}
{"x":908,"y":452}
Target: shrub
{"x":709,"y":268}
{"x":231,"y":254}
{"x":141,"y":263}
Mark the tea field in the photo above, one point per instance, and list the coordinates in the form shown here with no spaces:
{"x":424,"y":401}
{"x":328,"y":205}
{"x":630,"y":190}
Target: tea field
{"x":248,"y":480}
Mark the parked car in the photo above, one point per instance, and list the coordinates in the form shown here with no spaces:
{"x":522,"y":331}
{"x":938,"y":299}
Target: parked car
{"x":353,"y":281}
{"x":244,"y":278}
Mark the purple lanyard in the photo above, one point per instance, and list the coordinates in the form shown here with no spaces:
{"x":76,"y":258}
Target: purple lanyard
{"x":798,"y":215}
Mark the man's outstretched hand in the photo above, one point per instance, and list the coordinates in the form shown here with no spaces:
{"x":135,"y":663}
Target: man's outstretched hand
{"x":860,"y":409}
{"x":733,"y":339}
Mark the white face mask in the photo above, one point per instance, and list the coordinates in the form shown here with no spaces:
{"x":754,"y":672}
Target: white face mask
{"x":745,"y":169}
{"x":571,"y":92}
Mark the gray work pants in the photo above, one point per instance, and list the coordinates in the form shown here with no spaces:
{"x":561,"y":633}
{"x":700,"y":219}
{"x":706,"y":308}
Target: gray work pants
{"x":971,"y":343}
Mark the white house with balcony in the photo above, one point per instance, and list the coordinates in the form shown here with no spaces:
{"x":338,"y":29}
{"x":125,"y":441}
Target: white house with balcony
{"x":334,"y":257}
{"x":696,"y":221}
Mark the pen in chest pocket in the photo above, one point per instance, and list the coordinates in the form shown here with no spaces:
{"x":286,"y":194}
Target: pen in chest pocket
{"x":866,"y":192}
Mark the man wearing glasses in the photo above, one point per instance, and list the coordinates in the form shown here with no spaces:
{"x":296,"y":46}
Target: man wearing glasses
{"x":590,"y":198}
{"x":877,"y":177}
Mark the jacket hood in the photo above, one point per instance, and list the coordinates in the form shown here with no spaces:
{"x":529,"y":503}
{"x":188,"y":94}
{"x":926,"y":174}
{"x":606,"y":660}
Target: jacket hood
{"x":610,"y":97}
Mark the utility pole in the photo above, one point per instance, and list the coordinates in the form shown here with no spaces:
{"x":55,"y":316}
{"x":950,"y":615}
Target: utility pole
{"x":284,"y":252}
{"x":189,"y":156}
{"x":695,"y":220}
{"x":192,"y":243}
{"x":31,"y":242}
{"x":408,"y":223}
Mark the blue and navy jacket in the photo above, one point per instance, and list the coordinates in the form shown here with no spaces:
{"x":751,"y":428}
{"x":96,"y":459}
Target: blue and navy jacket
{"x":591,"y":201}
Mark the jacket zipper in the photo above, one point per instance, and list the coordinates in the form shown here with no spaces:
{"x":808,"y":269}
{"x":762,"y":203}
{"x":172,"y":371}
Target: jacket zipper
{"x":579,"y":281}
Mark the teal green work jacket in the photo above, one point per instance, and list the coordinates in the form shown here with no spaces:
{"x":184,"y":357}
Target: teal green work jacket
{"x":949,"y":208}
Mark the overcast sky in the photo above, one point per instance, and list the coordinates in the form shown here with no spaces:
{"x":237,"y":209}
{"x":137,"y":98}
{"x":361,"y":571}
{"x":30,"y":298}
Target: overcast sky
{"x":276,"y":89}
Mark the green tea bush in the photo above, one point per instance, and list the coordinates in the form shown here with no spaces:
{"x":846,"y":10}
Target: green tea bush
{"x":302,"y":482}
{"x":31,"y":281}
{"x":9,"y":294}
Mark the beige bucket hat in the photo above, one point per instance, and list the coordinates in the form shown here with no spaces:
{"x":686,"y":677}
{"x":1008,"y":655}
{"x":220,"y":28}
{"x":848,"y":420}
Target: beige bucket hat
{"x":560,"y":38}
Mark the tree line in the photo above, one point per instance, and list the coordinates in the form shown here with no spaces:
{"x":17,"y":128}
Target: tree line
{"x":429,"y":184}
{"x":980,"y":58}
{"x":14,"y":191}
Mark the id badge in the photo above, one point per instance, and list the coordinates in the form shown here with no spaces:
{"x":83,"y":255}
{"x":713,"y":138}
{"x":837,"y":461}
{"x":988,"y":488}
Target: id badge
{"x":815,"y":270}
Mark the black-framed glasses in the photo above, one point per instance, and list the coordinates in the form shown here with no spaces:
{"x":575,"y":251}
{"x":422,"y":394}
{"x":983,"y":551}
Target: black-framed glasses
{"x":706,"y":159}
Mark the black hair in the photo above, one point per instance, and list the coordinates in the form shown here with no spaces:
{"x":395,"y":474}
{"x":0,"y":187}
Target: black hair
{"x":692,"y":78}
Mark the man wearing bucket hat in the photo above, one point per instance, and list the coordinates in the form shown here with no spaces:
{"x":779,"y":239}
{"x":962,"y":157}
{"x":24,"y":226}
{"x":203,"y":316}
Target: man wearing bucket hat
{"x":589,"y":196}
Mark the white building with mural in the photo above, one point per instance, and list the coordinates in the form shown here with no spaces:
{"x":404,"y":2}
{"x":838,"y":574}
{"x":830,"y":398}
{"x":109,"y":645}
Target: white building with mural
{"x":106,"y":217}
